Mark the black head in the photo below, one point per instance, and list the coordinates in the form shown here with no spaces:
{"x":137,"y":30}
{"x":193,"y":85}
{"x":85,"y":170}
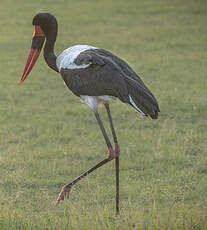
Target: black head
{"x":45,"y":26}
{"x":47,"y":22}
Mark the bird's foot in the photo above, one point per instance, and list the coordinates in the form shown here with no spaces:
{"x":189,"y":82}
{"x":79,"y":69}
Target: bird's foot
{"x":65,"y":192}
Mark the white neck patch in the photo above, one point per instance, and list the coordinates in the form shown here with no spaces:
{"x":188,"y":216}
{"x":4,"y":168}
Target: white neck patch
{"x":67,"y":57}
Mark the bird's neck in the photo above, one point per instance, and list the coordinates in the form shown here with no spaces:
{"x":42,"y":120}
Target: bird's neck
{"x":49,"y":54}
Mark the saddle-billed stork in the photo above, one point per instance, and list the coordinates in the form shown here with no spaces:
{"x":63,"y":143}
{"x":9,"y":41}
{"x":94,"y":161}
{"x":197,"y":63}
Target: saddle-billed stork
{"x":96,"y":76}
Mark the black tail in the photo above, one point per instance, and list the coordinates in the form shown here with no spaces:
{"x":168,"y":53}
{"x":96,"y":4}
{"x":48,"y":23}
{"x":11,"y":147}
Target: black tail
{"x":142,"y":99}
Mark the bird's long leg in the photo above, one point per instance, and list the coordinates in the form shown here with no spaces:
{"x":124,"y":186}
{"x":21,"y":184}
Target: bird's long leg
{"x":66,"y":189}
{"x":117,"y":151}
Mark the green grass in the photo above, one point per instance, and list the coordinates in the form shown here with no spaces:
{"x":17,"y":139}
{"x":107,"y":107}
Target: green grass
{"x":47,"y":137}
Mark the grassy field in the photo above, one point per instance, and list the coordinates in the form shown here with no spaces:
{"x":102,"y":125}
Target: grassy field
{"x":47,"y":137}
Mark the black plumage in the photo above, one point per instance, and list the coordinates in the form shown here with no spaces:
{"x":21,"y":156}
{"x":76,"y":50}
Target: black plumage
{"x":107,"y":74}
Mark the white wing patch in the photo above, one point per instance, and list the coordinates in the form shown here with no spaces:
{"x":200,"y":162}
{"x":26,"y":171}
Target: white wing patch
{"x":135,"y":106}
{"x":67,"y":57}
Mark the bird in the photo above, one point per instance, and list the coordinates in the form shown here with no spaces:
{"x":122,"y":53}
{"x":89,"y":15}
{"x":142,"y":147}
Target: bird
{"x":96,"y":76}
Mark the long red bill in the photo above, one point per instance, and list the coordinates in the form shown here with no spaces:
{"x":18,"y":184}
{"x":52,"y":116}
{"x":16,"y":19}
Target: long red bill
{"x":32,"y":58}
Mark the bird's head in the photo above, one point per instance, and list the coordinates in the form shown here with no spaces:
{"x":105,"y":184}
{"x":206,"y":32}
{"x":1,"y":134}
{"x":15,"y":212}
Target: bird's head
{"x":45,"y":26}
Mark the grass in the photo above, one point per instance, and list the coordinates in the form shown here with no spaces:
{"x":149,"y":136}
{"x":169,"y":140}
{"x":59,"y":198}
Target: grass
{"x":47,"y":137}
